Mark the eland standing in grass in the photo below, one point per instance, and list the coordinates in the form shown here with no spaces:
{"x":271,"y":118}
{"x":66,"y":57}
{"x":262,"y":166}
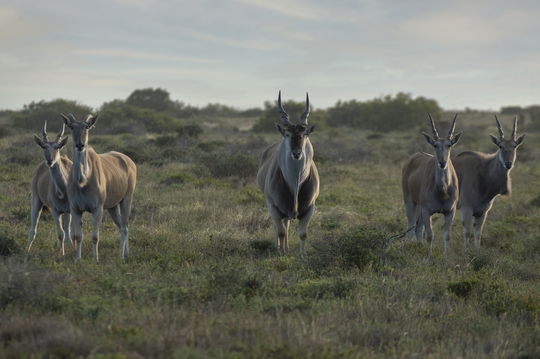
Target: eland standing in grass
{"x":430,"y":185}
{"x":288,"y":177}
{"x":49,"y":188}
{"x":98,"y":182}
{"x":482,"y":177}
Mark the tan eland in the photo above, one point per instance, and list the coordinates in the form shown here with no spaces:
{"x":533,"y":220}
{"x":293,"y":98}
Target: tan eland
{"x":49,"y":188}
{"x":98,"y":182}
{"x":430,"y":186}
{"x":482,"y":177}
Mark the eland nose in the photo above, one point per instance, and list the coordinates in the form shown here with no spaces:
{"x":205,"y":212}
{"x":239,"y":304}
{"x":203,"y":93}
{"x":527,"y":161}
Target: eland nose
{"x":79,"y":147}
{"x":508,"y":165}
{"x":49,"y":163}
{"x":296,"y":154}
{"x":442,"y":164}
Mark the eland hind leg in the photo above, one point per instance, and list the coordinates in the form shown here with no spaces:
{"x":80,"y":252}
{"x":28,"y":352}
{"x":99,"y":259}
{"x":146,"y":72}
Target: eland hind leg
{"x":419,"y":230}
{"x":124,"y":211}
{"x":478,"y":227}
{"x":466,"y":218}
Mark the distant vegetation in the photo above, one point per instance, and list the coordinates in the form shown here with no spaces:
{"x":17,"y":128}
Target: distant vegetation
{"x":530,"y":113}
{"x":153,"y":111}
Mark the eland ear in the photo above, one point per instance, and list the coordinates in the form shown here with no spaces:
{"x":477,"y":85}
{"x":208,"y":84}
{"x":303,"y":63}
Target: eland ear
{"x":495,"y":140}
{"x":428,"y":138}
{"x":280,"y":128}
{"x":520,"y":139}
{"x":39,"y":141}
{"x":62,"y":142}
{"x":455,"y":138}
{"x":310,"y":129}
{"x":67,"y":120}
{"x":91,"y":121}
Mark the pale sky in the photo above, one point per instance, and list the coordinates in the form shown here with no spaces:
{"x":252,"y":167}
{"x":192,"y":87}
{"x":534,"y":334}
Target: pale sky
{"x":478,"y":54}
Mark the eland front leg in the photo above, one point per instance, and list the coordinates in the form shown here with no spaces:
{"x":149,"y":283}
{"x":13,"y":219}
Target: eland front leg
{"x":97,"y":216}
{"x":302,"y":228}
{"x":448,"y":220}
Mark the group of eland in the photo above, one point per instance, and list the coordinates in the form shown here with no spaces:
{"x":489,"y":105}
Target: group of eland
{"x":287,"y":176}
{"x":91,"y":183}
{"x":469,"y":181}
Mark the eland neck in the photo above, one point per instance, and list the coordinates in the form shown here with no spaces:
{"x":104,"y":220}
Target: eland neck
{"x":295,"y":172}
{"x":499,"y":174}
{"x":59,"y":175}
{"x":442,"y":176}
{"x":81,"y":168}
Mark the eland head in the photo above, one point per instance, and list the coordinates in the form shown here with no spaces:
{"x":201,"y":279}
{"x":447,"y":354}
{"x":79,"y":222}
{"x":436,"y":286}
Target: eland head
{"x":507,"y":147}
{"x":295,"y":135}
{"x":51,"y":149}
{"x":79,"y":129}
{"x":442,"y":146}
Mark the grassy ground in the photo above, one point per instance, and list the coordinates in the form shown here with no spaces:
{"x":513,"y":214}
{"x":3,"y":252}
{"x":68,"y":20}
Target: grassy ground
{"x":203,"y":279}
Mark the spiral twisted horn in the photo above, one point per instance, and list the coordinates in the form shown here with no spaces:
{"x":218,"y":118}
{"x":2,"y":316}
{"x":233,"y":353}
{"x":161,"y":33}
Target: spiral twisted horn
{"x":284,"y":115}
{"x":44,"y":132}
{"x":499,"y":127}
{"x":435,"y":133}
{"x":514,"y":129}
{"x":304,"y":117}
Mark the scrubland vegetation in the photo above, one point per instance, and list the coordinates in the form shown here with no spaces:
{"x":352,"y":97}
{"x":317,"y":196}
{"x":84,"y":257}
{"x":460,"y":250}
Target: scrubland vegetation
{"x":203,"y":278}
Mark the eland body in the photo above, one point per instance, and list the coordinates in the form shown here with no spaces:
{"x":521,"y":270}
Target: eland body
{"x":430,"y":185}
{"x":289,"y":179}
{"x":98,"y":182}
{"x":482,"y":177}
{"x":49,"y":188}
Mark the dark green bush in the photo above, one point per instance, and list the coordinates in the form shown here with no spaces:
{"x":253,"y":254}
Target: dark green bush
{"x":235,"y":164}
{"x":359,"y":247}
{"x":325,"y":288}
{"x":262,"y":246}
{"x":388,"y":113}
{"x":35,"y":114}
{"x":463,"y":288}
{"x":8,"y":246}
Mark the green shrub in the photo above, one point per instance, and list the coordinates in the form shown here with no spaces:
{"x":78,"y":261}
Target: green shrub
{"x":191,"y":130}
{"x":359,"y":247}
{"x":35,"y":114}
{"x":262,"y":246}
{"x":235,"y":164}
{"x":463,"y":288}
{"x":325,"y":288}
{"x":388,"y":113}
{"x":8,"y":246}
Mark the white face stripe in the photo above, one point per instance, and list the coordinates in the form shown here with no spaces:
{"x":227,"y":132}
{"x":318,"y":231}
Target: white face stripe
{"x":500,"y":157}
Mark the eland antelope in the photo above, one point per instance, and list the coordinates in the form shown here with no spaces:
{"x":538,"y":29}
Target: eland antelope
{"x":430,"y":185}
{"x":98,"y":182}
{"x":288,"y":177}
{"x":49,"y":187}
{"x":482,"y":177}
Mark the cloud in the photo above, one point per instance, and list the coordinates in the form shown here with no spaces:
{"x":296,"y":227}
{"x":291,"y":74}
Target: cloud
{"x":126,"y":54}
{"x":469,"y":24}
{"x":297,"y":9}
{"x":18,"y":29}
